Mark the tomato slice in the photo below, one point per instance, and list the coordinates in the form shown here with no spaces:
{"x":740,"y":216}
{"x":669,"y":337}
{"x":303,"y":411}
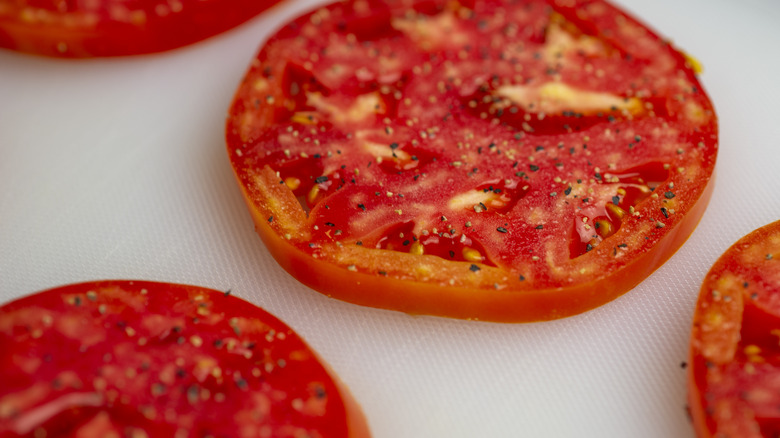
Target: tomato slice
{"x":494,"y":160}
{"x":80,"y":29}
{"x":734,"y":372}
{"x":142,"y":359}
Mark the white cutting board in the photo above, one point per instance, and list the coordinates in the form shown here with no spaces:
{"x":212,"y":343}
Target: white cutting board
{"x":117,"y":169}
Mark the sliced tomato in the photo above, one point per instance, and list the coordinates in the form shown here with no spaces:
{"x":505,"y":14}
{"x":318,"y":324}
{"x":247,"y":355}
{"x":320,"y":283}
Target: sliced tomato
{"x":80,"y":29}
{"x":495,"y":160}
{"x":734,"y":372}
{"x":142,"y":359}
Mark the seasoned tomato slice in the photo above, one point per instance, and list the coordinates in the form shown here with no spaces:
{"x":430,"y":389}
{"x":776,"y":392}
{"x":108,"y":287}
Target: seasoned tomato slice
{"x":495,"y":160}
{"x":734,"y":370}
{"x":80,"y":29}
{"x":142,"y":359}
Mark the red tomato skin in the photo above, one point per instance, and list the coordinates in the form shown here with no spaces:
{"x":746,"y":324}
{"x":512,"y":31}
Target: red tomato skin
{"x":420,"y":298}
{"x":733,"y":357}
{"x":118,"y":27}
{"x":495,"y":290}
{"x":161,"y":359}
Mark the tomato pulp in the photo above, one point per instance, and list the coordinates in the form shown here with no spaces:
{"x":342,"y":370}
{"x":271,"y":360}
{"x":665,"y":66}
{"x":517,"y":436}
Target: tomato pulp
{"x":88,"y":28}
{"x":142,"y":359}
{"x":493,"y":160}
{"x":734,"y":369}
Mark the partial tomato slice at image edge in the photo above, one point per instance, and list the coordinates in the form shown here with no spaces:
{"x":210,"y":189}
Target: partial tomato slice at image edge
{"x":117,"y":28}
{"x":159,"y":359}
{"x":734,"y":363}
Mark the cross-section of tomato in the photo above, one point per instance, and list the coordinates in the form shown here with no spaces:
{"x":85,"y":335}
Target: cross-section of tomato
{"x":80,"y":29}
{"x":496,"y":160}
{"x":734,"y":368}
{"x":142,"y":359}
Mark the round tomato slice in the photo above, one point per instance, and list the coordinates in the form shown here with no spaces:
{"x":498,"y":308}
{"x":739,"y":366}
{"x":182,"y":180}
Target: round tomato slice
{"x":142,"y":359}
{"x":494,"y":160}
{"x":734,"y":370}
{"x":80,"y":29}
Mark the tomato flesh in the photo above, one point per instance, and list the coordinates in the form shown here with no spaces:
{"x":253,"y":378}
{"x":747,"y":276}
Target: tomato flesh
{"x":734,"y":377}
{"x":85,"y":29}
{"x":133,"y":358}
{"x":563,"y":147}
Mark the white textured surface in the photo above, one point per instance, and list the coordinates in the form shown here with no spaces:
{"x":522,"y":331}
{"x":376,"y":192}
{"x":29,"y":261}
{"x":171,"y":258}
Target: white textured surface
{"x":117,"y":169}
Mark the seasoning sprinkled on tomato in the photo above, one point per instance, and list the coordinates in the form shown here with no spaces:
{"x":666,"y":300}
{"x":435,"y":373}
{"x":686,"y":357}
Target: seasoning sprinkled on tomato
{"x":144,"y":359}
{"x":486,"y":113}
{"x":734,"y":363}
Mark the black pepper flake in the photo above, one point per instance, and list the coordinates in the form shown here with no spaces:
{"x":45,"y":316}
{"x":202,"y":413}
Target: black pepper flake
{"x":533,"y":167}
{"x":384,"y":273}
{"x":769,"y":256}
{"x":665,"y":212}
{"x":474,"y":268}
{"x":589,"y":247}
{"x":393,"y":145}
{"x":242,"y":384}
{"x":359,"y":243}
{"x":362,"y":207}
{"x":597,"y":176}
{"x":228,"y":292}
{"x":622,"y":245}
{"x":522,"y":278}
{"x":539,"y":227}
{"x":567,"y":192}
{"x":76,"y":301}
{"x":683,"y":365}
{"x":616,"y":200}
{"x":669,"y":195}
{"x":502,"y":230}
{"x":192,"y":394}
{"x":330,"y":224}
{"x":452,"y":254}
{"x":270,"y":219}
{"x":320,"y":179}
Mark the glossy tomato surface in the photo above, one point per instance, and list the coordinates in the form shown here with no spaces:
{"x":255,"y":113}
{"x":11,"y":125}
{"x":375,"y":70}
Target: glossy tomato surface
{"x":734,"y":373}
{"x":88,"y":28}
{"x":141,"y":359}
{"x":494,"y":160}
